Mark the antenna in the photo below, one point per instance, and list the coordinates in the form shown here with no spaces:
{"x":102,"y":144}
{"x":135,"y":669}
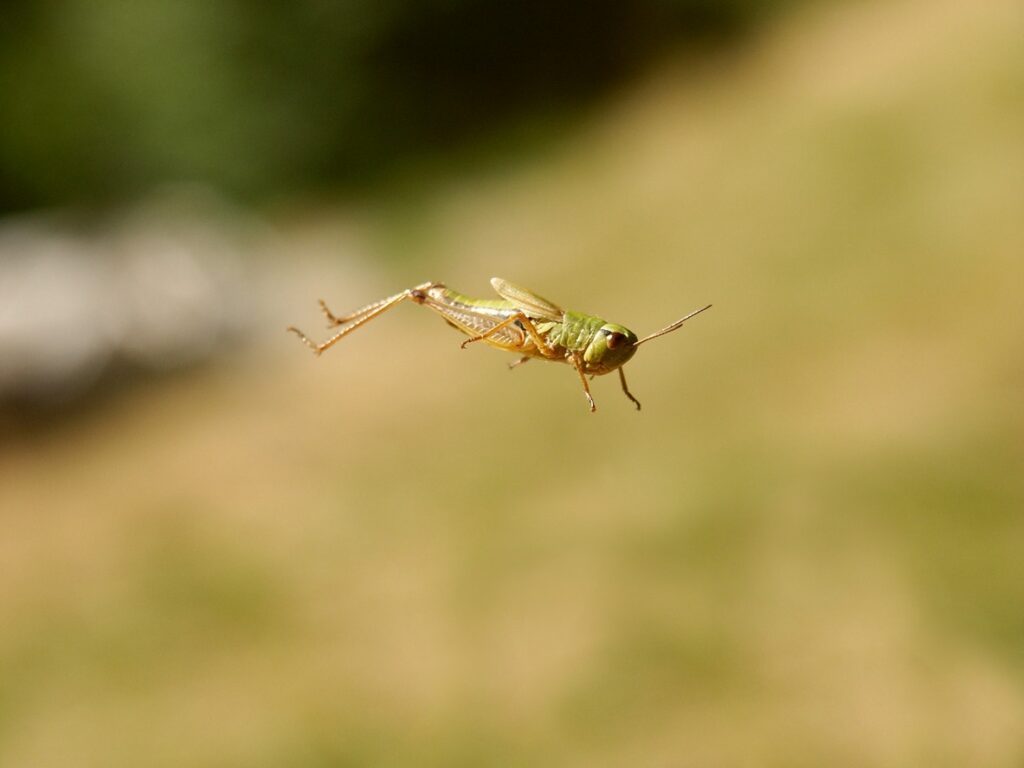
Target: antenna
{"x":668,"y":329}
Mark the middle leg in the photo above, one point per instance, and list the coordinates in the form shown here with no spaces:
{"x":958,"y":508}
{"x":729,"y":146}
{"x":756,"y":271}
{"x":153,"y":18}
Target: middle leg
{"x":525,"y":325}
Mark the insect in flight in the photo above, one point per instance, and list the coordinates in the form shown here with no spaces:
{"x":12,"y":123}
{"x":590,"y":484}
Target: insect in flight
{"x":521,"y":322}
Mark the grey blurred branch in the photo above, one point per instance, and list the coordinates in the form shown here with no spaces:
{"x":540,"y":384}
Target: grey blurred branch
{"x":155,"y":288}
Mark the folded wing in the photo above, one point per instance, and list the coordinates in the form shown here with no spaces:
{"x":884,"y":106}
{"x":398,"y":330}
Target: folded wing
{"x":534,"y":306}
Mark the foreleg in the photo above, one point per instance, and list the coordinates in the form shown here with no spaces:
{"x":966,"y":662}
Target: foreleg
{"x":577,"y":362}
{"x":622,"y":378}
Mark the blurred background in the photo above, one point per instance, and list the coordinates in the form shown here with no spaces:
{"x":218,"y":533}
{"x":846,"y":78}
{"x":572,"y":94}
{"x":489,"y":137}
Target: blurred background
{"x":217,"y":550}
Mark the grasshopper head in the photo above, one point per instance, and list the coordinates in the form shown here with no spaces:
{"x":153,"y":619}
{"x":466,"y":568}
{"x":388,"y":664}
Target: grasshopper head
{"x":611,"y":347}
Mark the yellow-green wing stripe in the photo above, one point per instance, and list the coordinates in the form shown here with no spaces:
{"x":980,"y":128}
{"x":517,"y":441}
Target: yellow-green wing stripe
{"x":536,"y":307}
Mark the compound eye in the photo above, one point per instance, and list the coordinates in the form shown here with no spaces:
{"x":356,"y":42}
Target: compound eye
{"x":614,"y":339}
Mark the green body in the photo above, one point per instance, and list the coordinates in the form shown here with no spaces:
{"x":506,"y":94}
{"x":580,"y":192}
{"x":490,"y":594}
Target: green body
{"x":603,"y":346}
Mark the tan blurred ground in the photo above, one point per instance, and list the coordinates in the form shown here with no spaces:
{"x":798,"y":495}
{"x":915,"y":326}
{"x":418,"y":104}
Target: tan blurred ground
{"x":806,"y":550}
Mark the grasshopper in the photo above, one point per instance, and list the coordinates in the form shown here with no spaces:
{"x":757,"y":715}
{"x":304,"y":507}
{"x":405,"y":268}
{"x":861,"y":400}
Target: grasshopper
{"x":521,"y":322}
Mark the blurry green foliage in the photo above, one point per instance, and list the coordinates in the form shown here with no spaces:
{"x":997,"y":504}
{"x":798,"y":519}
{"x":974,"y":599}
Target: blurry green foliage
{"x":100,"y":99}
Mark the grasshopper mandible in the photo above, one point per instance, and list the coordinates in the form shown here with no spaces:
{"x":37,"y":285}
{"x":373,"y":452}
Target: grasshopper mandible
{"x":521,"y":322}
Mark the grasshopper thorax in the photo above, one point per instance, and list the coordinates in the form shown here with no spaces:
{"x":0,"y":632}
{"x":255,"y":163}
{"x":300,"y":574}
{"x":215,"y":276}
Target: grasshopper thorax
{"x":611,"y":346}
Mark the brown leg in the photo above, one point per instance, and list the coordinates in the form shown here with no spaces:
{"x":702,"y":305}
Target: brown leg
{"x":333,"y":320}
{"x":622,"y":378}
{"x":520,"y":361}
{"x":577,"y":363}
{"x":357,"y":318}
{"x":525,"y":324}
